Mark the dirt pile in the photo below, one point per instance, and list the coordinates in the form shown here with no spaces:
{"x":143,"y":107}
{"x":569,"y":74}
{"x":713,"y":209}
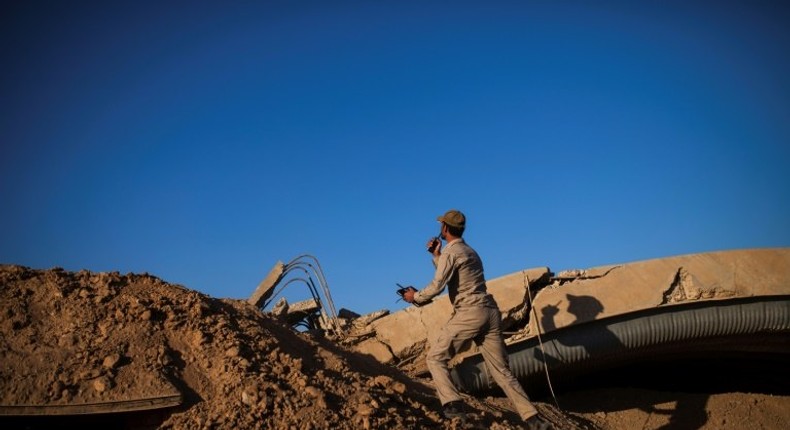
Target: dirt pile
{"x":71,"y":340}
{"x":105,"y":338}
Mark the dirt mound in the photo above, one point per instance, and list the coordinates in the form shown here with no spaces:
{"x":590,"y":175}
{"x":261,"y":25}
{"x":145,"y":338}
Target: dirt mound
{"x":96,"y":338}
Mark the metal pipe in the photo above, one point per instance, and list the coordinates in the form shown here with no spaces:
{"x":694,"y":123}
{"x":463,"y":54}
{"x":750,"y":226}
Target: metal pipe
{"x":323,"y":282}
{"x":276,"y":293}
{"x":311,"y":285}
{"x":318,"y":271}
{"x":756,"y":325}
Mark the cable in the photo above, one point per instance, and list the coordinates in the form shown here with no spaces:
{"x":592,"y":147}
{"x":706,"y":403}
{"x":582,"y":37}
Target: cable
{"x":540,"y":341}
{"x":318,"y":271}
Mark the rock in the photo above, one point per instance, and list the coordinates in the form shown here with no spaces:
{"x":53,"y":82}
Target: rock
{"x":111,"y":361}
{"x":280,"y":309}
{"x":233,"y":351}
{"x":101,"y":385}
{"x":376,"y":349}
{"x":248,"y":398}
{"x":364,"y":410}
{"x":381,"y":381}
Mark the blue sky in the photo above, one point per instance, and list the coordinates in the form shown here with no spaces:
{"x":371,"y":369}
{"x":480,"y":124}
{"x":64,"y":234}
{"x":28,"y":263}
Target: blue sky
{"x":202,"y":142}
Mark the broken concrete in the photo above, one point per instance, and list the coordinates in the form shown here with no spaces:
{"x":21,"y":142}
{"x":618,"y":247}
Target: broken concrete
{"x":266,"y":288}
{"x":362,"y":322}
{"x":304,"y":307}
{"x":377,"y":349}
{"x":280,"y":309}
{"x":592,"y":294}
{"x":577,"y":296}
{"x":404,"y":334}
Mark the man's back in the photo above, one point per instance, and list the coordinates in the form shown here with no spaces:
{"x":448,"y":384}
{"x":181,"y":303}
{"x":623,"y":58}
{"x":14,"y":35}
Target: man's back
{"x":467,"y":285}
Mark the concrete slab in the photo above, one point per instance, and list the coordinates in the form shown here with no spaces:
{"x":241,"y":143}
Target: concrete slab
{"x":607,"y":291}
{"x":266,"y":288}
{"x":406,"y":332}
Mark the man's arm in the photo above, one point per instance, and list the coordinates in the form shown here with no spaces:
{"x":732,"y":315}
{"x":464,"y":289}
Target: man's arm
{"x":444,"y":271}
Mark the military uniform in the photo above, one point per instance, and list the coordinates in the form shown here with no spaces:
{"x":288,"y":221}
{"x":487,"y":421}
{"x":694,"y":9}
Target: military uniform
{"x":475,"y":317}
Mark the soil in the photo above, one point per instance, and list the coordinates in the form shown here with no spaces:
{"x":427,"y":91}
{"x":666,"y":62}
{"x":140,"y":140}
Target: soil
{"x":97,"y":339}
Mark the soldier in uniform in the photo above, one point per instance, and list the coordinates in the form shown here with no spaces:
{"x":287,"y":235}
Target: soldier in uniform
{"x":475,"y":317}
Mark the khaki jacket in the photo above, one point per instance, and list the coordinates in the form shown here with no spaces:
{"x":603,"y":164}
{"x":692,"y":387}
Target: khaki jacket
{"x":460,"y":269}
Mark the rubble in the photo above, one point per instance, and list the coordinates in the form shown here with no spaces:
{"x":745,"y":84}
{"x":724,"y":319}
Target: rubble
{"x":81,"y":340}
{"x":613,"y":290}
{"x":297,"y":314}
{"x":580,"y":295}
{"x":316,"y":314}
{"x":83,"y":343}
{"x":401,"y":337}
{"x":265,"y":289}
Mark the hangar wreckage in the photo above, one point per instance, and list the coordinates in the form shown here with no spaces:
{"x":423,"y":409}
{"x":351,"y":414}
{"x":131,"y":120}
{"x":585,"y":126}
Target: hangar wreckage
{"x":575,"y":322}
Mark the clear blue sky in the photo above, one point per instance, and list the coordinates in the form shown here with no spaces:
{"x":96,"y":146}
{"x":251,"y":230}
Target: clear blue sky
{"x":203,"y":141}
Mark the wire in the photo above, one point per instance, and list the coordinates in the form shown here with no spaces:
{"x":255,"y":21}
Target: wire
{"x":540,"y":341}
{"x":318,"y":271}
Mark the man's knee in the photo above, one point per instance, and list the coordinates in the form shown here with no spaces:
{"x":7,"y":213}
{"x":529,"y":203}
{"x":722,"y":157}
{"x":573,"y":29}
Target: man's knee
{"x":437,"y":355}
{"x":440,"y":349}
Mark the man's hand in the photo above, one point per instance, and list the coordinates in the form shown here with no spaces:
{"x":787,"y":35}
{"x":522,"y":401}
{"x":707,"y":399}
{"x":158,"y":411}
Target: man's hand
{"x":408,"y":295}
{"x":434,"y":246}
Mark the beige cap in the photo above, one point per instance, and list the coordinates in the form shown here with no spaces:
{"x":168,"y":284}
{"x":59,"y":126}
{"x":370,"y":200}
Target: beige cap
{"x":453,"y":218}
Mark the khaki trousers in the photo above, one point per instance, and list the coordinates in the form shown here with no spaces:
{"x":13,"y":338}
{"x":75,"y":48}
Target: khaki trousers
{"x":483,"y":325}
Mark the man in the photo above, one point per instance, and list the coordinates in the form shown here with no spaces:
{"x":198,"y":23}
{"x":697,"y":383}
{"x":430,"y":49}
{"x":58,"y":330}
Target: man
{"x":475,"y":316}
